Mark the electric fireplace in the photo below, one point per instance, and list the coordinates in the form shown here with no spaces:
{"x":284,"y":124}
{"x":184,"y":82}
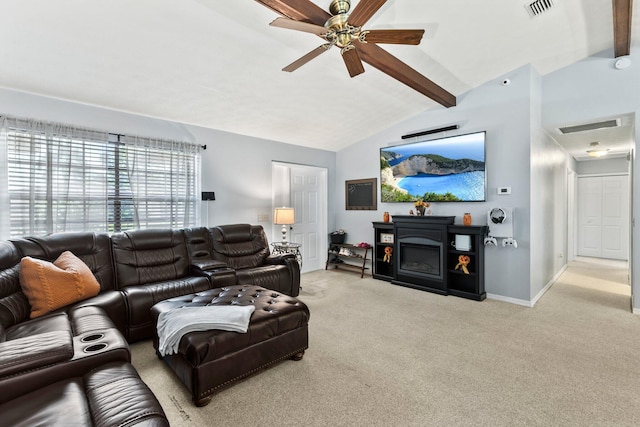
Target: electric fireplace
{"x":420,"y":251}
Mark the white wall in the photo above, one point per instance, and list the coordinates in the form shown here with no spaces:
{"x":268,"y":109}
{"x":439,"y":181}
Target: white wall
{"x":504,"y":112}
{"x":603,"y":166}
{"x":548,"y":216}
{"x":237,"y":168}
{"x":593,"y":89}
{"x":548,"y":212}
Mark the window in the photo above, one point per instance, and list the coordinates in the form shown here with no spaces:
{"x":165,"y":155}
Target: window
{"x":61,"y":178}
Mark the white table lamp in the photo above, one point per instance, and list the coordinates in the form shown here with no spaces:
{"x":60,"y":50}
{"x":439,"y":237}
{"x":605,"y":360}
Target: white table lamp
{"x":284,"y":216}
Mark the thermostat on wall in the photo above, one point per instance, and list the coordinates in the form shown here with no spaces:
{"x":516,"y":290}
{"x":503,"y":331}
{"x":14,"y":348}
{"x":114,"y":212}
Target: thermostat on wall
{"x":504,"y":190}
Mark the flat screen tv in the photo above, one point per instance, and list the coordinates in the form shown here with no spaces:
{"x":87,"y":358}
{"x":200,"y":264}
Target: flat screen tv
{"x":449,"y":169}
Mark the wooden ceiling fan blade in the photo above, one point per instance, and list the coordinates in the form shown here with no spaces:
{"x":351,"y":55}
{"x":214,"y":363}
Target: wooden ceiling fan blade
{"x":363,"y":11}
{"x":290,"y":24}
{"x":306,"y":58}
{"x":412,"y":37}
{"x":298,"y":10}
{"x":352,"y":61}
{"x":379,"y":58}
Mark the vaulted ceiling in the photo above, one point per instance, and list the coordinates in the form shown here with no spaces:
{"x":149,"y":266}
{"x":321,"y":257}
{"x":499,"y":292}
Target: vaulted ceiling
{"x":217,"y":64}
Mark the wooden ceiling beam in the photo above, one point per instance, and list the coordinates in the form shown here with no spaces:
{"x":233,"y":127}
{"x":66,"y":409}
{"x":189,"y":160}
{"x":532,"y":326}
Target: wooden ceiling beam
{"x":622,"y":27}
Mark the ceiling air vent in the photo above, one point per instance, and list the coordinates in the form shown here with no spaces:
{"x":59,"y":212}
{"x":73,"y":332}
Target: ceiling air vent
{"x":590,"y":126}
{"x":538,"y":7}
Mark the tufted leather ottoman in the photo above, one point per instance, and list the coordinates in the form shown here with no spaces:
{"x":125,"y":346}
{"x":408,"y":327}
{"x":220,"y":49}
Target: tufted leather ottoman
{"x":210,"y":360}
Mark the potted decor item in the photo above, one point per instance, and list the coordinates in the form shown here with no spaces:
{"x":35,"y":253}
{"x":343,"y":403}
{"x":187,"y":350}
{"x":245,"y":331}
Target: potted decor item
{"x":337,"y":237}
{"x":421,"y":206}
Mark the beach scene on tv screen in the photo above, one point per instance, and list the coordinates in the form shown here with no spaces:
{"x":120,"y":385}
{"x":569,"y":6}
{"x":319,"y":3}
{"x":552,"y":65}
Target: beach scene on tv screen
{"x":450,"y":169}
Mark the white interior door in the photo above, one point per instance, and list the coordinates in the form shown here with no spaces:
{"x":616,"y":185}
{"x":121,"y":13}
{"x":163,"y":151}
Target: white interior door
{"x":305,"y":189}
{"x":590,"y":216}
{"x":615,"y":217}
{"x":309,"y":199}
{"x":603,"y":216}
{"x":572,"y":234}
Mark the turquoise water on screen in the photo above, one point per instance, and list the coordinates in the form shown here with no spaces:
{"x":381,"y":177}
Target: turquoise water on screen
{"x":467,"y":186}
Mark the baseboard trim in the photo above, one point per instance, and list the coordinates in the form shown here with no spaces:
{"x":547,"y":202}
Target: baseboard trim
{"x":535,"y":299}
{"x":509,"y":300}
{"x":548,"y":285}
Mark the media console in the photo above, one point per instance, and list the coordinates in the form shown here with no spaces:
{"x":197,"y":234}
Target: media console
{"x":424,"y":255}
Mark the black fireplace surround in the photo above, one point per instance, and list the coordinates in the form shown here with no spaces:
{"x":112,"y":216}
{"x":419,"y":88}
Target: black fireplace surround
{"x":420,"y":248}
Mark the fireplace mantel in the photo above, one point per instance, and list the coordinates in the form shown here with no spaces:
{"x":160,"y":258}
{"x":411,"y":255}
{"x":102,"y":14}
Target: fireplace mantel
{"x":420,"y":248}
{"x":425,"y":256}
{"x":429,"y":219}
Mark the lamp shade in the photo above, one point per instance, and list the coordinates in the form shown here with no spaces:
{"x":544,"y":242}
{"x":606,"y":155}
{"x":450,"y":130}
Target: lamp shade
{"x":283,"y":216}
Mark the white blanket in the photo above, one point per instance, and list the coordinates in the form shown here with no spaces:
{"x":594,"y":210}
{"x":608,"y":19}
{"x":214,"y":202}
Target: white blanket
{"x":173,"y":324}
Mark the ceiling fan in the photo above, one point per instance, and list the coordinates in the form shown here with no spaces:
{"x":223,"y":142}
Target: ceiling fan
{"x":344,"y":30}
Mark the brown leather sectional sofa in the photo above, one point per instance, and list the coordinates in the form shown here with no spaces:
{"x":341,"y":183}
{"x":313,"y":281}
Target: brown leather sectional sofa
{"x":81,"y":351}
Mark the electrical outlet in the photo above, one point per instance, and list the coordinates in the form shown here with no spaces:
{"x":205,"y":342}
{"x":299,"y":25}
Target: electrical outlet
{"x":263,"y":217}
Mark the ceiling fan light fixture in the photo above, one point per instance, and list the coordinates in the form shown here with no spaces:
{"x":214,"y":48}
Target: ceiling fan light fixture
{"x":340,"y":32}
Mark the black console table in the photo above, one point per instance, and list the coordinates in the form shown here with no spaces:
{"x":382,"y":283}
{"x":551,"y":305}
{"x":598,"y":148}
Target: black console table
{"x":424,"y":255}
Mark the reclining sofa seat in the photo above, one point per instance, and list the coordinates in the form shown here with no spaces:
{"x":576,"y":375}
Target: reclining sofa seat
{"x":200,"y":249}
{"x":110,"y":395}
{"x":95,"y":251}
{"x":152,"y":265}
{"x":36,"y":352}
{"x":244,"y":247}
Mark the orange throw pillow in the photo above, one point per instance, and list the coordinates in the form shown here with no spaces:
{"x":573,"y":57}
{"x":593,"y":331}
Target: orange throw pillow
{"x":49,"y":286}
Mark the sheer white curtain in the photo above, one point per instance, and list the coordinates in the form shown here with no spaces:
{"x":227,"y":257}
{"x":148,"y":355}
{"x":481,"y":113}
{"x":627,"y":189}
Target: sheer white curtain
{"x":162,"y":174}
{"x":5,"y":224}
{"x":58,"y":178}
{"x":54,"y":178}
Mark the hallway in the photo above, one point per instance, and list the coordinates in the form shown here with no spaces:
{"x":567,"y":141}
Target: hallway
{"x":597,"y":280}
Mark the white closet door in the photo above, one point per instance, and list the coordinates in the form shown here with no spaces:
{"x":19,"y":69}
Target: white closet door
{"x":603,"y":216}
{"x":615,"y":217}
{"x":590,"y":216}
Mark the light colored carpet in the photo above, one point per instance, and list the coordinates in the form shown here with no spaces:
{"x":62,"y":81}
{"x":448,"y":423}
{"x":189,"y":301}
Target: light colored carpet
{"x":383,"y":355}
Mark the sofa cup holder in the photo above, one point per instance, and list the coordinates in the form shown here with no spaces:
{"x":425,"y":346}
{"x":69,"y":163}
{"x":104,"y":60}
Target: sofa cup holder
{"x":96,"y":347}
{"x":92,"y":337}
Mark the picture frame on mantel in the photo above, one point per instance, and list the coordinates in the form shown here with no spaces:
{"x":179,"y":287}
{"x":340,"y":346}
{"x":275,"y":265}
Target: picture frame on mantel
{"x":361,"y":194}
